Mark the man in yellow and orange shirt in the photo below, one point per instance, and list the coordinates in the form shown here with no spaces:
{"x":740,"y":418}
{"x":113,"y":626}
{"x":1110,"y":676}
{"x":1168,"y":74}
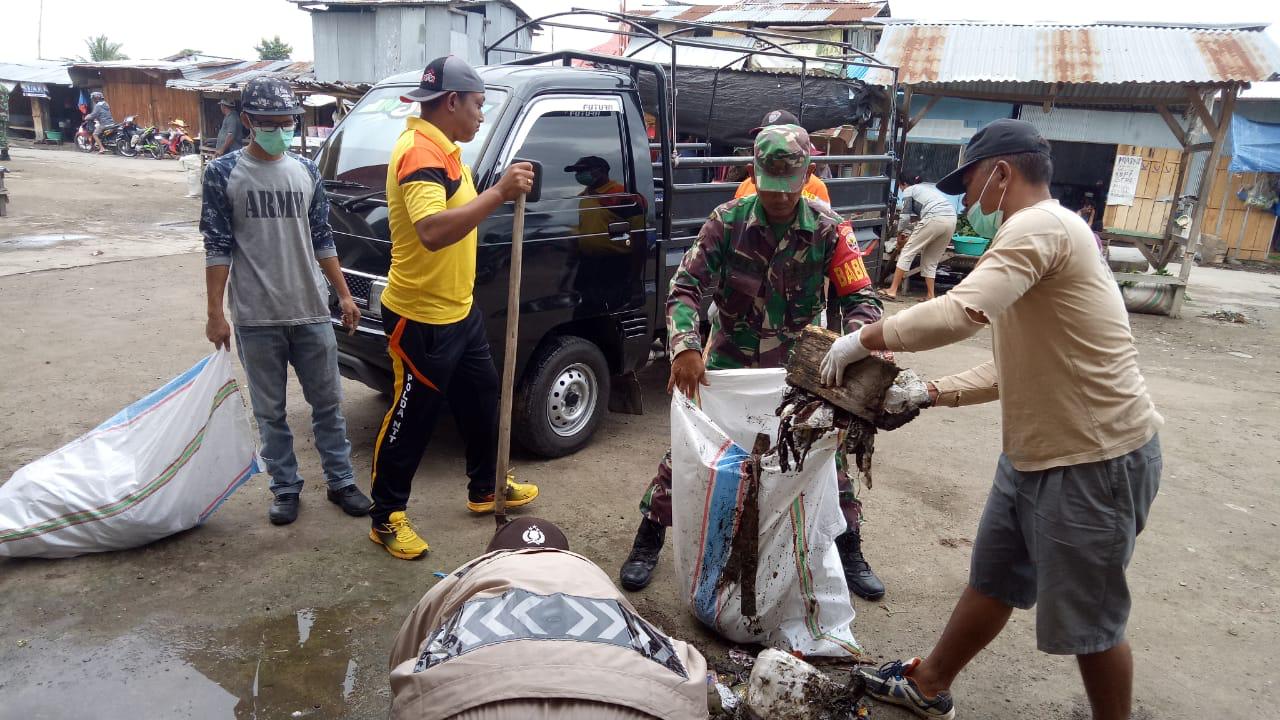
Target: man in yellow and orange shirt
{"x":436,"y":335}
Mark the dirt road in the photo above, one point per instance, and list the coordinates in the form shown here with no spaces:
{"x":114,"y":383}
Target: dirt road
{"x":242,"y":619}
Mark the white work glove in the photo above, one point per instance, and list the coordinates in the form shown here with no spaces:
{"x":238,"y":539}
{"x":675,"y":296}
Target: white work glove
{"x":908,"y":392}
{"x":845,"y":351}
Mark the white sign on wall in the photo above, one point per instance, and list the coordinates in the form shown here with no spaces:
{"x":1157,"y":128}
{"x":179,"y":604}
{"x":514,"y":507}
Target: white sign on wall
{"x":1124,"y":180}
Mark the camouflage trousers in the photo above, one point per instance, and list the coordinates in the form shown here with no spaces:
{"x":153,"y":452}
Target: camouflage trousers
{"x":656,"y":503}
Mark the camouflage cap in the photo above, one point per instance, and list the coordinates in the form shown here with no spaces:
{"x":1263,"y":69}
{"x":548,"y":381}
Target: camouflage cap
{"x":782,"y":158}
{"x":266,"y":95}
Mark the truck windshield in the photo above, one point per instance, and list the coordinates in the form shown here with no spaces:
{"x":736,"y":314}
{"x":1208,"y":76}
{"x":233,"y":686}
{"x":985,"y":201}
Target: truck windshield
{"x":358,"y":150}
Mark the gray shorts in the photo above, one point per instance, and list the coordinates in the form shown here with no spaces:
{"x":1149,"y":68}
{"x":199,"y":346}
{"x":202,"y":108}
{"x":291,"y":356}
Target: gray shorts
{"x":1060,"y":540}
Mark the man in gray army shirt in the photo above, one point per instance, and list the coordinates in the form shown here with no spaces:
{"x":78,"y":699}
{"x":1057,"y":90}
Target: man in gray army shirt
{"x":265,"y":221}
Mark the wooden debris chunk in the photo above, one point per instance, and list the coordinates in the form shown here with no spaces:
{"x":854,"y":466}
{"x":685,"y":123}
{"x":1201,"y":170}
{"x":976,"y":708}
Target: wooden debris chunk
{"x":865,"y":382}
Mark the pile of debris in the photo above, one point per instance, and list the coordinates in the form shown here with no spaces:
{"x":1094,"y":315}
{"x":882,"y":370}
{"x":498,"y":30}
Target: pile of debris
{"x":1228,"y":316}
{"x":779,"y":686}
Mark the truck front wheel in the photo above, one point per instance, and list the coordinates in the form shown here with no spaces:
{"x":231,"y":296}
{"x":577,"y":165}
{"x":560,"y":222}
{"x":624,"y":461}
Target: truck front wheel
{"x":563,"y":398}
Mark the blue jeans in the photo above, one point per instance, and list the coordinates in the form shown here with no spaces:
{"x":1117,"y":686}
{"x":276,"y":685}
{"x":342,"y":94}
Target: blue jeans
{"x":266,"y":353}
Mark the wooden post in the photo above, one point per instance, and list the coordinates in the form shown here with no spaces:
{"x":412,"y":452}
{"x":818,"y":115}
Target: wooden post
{"x":1166,"y":253}
{"x":1219,"y":128}
{"x":509,"y":366}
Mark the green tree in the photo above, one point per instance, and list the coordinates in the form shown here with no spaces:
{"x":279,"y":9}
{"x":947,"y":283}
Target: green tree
{"x":187,"y":52}
{"x":273,"y":49}
{"x":100,"y":49}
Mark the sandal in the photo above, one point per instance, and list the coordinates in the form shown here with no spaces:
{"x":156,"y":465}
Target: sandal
{"x":886,"y":296}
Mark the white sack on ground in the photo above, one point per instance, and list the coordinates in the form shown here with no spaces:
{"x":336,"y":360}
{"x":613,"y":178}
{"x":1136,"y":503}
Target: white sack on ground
{"x":160,"y":466}
{"x":802,"y":602}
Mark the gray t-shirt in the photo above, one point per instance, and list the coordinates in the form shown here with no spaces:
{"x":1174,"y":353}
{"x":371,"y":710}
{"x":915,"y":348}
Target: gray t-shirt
{"x":268,"y":220}
{"x":927,"y":201}
{"x":230,"y":127}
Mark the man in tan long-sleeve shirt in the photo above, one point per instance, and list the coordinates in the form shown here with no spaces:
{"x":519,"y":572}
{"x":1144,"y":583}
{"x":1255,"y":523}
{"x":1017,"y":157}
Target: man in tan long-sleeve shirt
{"x":1081,"y":462}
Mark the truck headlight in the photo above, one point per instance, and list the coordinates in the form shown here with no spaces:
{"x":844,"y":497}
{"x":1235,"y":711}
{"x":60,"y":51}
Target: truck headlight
{"x":375,"y":297}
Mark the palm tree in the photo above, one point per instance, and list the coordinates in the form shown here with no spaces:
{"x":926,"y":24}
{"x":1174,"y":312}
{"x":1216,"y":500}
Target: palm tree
{"x":273,"y":49}
{"x":100,"y":49}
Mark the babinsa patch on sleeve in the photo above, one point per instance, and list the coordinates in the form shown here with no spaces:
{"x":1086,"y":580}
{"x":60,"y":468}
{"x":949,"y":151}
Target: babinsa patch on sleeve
{"x":846,"y":271}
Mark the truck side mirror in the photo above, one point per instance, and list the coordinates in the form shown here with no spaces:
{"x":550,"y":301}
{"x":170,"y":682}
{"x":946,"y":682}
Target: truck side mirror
{"x":535,"y":192}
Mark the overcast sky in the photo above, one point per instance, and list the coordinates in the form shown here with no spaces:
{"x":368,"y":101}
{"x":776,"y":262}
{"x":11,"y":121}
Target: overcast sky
{"x":232,"y":27}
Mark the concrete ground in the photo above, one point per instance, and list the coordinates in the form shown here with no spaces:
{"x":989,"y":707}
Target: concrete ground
{"x":242,"y":619}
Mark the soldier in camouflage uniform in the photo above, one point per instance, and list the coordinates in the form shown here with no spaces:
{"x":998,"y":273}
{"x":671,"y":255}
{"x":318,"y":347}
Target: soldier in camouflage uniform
{"x":769,"y":257}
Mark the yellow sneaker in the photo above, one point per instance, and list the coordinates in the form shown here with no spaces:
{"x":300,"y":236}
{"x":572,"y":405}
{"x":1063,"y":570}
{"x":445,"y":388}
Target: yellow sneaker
{"x":399,"y":538}
{"x":517,"y":494}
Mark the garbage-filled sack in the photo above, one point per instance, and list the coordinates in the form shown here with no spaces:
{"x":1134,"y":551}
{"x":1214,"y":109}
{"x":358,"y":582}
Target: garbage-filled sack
{"x":799,"y":600}
{"x":160,"y":466}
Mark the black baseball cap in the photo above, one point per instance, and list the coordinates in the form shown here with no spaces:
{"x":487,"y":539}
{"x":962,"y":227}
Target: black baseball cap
{"x":1002,"y":137}
{"x":528,"y":532}
{"x":775,"y":117}
{"x":589,"y":162}
{"x":445,"y":75}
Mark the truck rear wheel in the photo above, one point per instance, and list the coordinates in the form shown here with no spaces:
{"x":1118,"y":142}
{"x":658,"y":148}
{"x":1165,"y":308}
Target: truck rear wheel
{"x":563,"y":398}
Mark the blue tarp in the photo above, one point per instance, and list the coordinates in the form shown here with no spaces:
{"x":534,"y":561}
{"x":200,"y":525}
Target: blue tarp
{"x":1256,"y":146}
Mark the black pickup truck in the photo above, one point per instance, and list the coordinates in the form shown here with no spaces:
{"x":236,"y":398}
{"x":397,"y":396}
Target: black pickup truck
{"x":596,"y":261}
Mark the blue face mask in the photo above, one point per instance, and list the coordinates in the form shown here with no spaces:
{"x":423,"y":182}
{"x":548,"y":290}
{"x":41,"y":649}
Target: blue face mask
{"x":986,"y":224}
{"x":273,"y":142}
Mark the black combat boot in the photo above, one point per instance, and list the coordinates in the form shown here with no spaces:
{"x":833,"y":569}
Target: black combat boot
{"x":637,"y":570}
{"x":858,"y":575}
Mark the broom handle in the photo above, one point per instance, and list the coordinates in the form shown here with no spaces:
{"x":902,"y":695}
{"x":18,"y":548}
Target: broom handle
{"x":509,"y":365}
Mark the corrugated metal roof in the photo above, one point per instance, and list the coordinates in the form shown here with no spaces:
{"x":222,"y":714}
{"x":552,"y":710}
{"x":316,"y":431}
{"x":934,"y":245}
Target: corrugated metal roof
{"x":320,"y":4}
{"x":39,"y":71}
{"x":770,"y":13}
{"x":224,"y":79}
{"x":1099,"y":53}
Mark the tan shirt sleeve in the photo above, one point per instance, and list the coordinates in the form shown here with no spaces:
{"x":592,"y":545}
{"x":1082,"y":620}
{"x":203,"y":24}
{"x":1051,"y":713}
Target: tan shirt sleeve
{"x":971,"y":387}
{"x":1017,"y":259}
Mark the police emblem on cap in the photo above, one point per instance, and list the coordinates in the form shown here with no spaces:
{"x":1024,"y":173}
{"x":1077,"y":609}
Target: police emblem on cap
{"x":773,"y":117}
{"x":429,"y":76}
{"x":533,"y":536}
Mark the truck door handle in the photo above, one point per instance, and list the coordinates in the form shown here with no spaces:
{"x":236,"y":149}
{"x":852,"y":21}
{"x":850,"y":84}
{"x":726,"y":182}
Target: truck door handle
{"x":620,"y":231}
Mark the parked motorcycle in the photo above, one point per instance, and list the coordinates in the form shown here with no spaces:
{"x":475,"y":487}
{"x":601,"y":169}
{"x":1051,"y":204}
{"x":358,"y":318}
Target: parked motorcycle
{"x":122,"y":136}
{"x":148,"y":140}
{"x":175,"y":141}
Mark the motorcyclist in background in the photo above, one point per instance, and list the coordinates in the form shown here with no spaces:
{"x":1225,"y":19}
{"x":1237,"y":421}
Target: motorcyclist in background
{"x":101,"y":115}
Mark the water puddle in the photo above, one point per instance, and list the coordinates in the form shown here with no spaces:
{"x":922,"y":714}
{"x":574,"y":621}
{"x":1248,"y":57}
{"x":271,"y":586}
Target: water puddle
{"x":349,"y":682}
{"x":299,"y":664}
{"x":306,"y":618}
{"x":40,"y":242}
{"x":128,"y":677}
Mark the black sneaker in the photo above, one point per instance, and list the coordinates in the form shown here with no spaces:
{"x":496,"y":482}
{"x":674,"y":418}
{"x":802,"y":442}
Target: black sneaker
{"x":284,"y":509}
{"x":890,"y":684}
{"x":858,"y":575}
{"x":637,"y":570}
{"x":351,"y":500}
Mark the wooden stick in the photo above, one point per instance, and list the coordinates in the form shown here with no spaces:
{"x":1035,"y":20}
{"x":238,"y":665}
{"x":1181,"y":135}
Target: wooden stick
{"x":509,"y":366}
